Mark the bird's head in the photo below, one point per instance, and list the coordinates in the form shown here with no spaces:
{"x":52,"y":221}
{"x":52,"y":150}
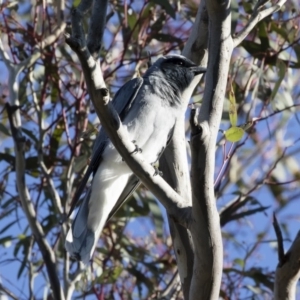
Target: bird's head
{"x":178,"y":70}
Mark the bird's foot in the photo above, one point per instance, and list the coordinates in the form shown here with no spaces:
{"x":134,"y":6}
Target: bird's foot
{"x":137,"y":149}
{"x":157,"y":171}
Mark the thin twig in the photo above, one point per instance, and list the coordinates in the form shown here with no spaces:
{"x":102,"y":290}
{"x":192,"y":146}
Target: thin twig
{"x":258,"y":14}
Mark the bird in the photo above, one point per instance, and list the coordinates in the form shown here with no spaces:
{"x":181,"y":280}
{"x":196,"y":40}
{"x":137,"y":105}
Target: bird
{"x":148,"y":107}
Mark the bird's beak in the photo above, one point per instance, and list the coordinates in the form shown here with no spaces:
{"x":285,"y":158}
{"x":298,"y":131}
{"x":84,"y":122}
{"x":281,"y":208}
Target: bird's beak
{"x":198,"y":70}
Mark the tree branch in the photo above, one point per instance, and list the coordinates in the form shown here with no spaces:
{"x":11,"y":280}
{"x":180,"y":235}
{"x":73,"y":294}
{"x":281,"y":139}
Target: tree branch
{"x":205,"y":228}
{"x":173,"y":162}
{"x":27,"y":205}
{"x":288,"y":273}
{"x":7,"y":292}
{"x":258,"y":14}
{"x":281,"y":257}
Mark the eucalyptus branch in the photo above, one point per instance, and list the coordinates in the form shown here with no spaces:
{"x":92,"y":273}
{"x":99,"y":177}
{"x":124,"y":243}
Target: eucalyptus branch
{"x":288,"y":272}
{"x":205,"y":228}
{"x":55,"y":196}
{"x":258,"y":14}
{"x":7,"y":292}
{"x":172,"y":287}
{"x":173,"y":162}
{"x":14,"y":117}
{"x":36,"y":53}
{"x":27,"y":205}
{"x":31,"y":269}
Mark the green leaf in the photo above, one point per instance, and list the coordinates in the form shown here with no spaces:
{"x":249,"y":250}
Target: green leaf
{"x":23,"y":265}
{"x":4,"y":130}
{"x":247,"y":5}
{"x":81,"y":162}
{"x":8,"y":158}
{"x":6,"y":241}
{"x":263,"y":35}
{"x":156,"y":217}
{"x":234,"y":134}
{"x":232,"y":107}
{"x":76,"y":3}
{"x":132,"y":19}
{"x":55,"y":140}
{"x":280,"y":30}
{"x":239,"y":262}
{"x":30,"y":134}
{"x":235,"y":15}
{"x":282,"y":70}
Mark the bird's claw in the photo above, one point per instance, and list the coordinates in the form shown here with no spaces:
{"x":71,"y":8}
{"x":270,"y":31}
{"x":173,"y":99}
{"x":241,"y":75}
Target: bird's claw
{"x":157,"y":171}
{"x":137,"y":149}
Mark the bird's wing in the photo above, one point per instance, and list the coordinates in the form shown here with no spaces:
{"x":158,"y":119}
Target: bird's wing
{"x":122,"y":102}
{"x":134,"y":183}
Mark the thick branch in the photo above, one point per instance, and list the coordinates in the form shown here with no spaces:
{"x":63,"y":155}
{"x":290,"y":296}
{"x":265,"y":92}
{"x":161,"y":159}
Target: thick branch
{"x":205,"y":228}
{"x":288,"y":274}
{"x":258,"y":14}
{"x":173,"y":162}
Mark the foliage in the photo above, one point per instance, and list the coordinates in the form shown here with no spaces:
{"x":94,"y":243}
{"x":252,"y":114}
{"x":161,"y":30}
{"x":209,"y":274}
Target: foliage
{"x":255,"y":176}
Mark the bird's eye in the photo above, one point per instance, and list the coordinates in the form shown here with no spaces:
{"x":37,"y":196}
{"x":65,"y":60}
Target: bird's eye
{"x":178,"y":62}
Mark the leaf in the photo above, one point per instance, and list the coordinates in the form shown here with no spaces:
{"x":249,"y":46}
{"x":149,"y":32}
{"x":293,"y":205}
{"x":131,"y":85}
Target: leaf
{"x":167,"y":6}
{"x":80,"y":162}
{"x":281,"y":72}
{"x":279,"y":29}
{"x":6,"y":241}
{"x":30,"y":134}
{"x":131,"y":19}
{"x":232,"y":107}
{"x":55,"y":140}
{"x":23,"y":265}
{"x":4,"y":130}
{"x":234,"y":15}
{"x":263,"y":35}
{"x":239,"y":262}
{"x":157,"y":217}
{"x":76,"y":3}
{"x":247,"y":7}
{"x":234,"y":134}
{"x":166,"y":38}
{"x":8,"y":158}
{"x":248,"y":213}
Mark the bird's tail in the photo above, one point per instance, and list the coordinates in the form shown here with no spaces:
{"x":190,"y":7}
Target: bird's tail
{"x":108,"y":184}
{"x":80,"y":240}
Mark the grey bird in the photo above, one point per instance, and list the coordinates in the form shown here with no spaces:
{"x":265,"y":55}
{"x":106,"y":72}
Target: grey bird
{"x":148,"y":107}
